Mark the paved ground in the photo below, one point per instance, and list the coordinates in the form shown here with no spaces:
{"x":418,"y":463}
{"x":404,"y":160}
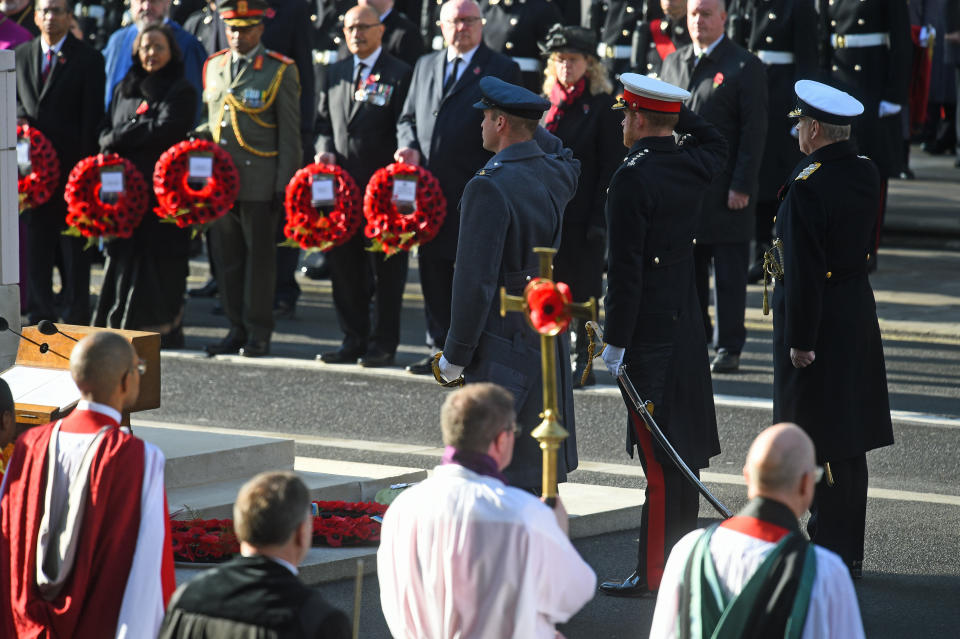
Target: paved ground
{"x":912,"y":581}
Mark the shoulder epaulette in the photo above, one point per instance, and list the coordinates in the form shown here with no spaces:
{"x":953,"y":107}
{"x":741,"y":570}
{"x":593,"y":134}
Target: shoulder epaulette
{"x":807,"y":172}
{"x":488,"y":170}
{"x":864,"y":157}
{"x":280,"y":57}
{"x":203,"y":73}
{"x":632,"y":159}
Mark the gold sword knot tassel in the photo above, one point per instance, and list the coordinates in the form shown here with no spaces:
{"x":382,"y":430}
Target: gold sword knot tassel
{"x":772,"y":268}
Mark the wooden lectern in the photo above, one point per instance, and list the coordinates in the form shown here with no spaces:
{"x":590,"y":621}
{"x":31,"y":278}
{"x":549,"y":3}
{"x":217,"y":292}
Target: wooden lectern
{"x":40,"y":381}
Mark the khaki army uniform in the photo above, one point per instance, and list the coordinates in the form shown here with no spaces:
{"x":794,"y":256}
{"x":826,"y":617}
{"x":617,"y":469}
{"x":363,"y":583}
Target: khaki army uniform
{"x":254,"y":114}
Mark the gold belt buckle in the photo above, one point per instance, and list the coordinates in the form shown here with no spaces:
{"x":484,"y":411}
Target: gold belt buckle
{"x":609,"y":52}
{"x":841,"y":42}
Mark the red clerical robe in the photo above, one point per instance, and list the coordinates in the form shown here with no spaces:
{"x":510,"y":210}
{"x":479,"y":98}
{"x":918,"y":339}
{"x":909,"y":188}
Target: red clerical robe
{"x":121,"y":576}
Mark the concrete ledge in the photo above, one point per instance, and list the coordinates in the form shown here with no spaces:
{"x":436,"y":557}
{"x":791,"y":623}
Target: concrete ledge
{"x":597,"y":510}
{"x":196,"y":457}
{"x":368,"y":479}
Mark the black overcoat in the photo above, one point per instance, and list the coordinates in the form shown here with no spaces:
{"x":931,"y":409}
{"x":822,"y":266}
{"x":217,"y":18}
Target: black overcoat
{"x":654,"y":40}
{"x":446,"y":130}
{"x":592,"y":131}
{"x":871,"y":74}
{"x":651,"y":303}
{"x":510,"y":206}
{"x":782,"y":26}
{"x":515,"y":28}
{"x":729,"y":88}
{"x":825,"y":304}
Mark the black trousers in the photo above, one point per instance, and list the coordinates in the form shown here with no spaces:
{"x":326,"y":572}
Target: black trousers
{"x":669,"y":511}
{"x":45,"y":241}
{"x":436,"y":280}
{"x":359,"y":277}
{"x":730,"y":263}
{"x":244,"y":247}
{"x":838,"y":515}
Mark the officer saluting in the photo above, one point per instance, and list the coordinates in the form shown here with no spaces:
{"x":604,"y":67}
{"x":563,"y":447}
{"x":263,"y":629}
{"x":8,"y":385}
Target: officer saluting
{"x":514,"y":203}
{"x":652,"y":319}
{"x":828,"y":369}
{"x":253,"y":101}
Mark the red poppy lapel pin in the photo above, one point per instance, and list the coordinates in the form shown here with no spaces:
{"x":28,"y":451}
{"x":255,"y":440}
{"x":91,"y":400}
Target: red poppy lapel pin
{"x":142,"y":108}
{"x":476,"y":70}
{"x":717,"y":80}
{"x":270,"y":13}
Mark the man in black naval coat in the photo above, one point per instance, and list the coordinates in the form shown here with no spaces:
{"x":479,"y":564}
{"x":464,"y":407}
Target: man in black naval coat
{"x":779,"y":33}
{"x":356,"y":128}
{"x":652,"y":315}
{"x":729,"y":90}
{"x":514,"y":28}
{"x":657,"y":37}
{"x":513,"y":204}
{"x":829,"y":375}
{"x":866,"y":50}
{"x":57,"y":80}
{"x":438,"y":130}
{"x":614,"y":22}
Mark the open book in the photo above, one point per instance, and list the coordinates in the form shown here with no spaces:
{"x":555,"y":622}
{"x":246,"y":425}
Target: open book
{"x":42,"y":386}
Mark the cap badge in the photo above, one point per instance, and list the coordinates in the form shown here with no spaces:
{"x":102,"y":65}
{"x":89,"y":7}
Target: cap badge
{"x":242,"y":7}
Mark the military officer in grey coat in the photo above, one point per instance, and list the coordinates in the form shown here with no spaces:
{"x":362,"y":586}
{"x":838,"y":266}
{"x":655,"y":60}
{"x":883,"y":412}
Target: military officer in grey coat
{"x":511,"y":205}
{"x":253,"y":101}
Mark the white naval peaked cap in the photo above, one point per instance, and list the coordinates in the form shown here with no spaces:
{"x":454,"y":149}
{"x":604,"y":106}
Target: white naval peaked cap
{"x":649,"y":94}
{"x":822,"y":102}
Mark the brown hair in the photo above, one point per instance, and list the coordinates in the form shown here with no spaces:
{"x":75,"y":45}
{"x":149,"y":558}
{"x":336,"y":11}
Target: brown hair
{"x":176,"y":55}
{"x":270,"y":507}
{"x":472,"y":417}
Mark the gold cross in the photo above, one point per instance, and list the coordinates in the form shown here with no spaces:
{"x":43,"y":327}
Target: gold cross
{"x":549,"y":432}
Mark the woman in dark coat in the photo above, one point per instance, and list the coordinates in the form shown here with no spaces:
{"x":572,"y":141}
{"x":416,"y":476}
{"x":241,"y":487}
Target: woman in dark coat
{"x":153,"y":108}
{"x":579,"y":91}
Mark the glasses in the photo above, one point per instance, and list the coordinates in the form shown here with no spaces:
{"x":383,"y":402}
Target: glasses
{"x":359,"y":28}
{"x":462,"y":22}
{"x":52,"y":11}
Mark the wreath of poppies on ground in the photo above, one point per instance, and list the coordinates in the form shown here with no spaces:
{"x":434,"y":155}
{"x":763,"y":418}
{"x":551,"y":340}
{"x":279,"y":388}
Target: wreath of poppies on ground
{"x":342,"y":523}
{"x":88,"y":216}
{"x":203,"y":540}
{"x":315,"y":229}
{"x":181,"y":203}
{"x":37,"y":186}
{"x":391,"y":230}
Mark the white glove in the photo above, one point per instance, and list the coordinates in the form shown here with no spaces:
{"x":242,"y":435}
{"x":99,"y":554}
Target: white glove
{"x":449,"y":371}
{"x":888,"y":108}
{"x":612,"y":357}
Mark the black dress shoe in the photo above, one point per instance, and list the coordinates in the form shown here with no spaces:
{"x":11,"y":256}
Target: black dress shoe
{"x":231,"y":344}
{"x":255,"y":348}
{"x":342,"y":356}
{"x":423,"y":367}
{"x":207,"y":290}
{"x":632,"y":586}
{"x":725,"y":362}
{"x":375,"y":358}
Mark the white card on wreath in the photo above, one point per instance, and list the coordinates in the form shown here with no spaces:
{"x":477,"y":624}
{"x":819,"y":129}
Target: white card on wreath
{"x":111,"y":181}
{"x":201,"y":166}
{"x":23,"y":152}
{"x":321,"y":190}
{"x":404,"y":190}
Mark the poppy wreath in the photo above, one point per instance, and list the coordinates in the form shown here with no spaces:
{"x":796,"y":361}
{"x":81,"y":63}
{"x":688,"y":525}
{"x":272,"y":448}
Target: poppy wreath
{"x":341,"y":523}
{"x":391,"y":230}
{"x":36,"y":187}
{"x":90,"y":217}
{"x":203,"y":540}
{"x":180,"y":203}
{"x":315,"y":229}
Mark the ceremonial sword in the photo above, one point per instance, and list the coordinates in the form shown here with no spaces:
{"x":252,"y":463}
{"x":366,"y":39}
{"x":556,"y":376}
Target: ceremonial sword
{"x":596,"y":337}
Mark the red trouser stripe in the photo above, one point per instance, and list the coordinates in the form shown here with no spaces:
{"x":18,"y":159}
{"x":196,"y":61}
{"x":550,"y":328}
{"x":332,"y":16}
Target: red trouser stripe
{"x":655,"y":503}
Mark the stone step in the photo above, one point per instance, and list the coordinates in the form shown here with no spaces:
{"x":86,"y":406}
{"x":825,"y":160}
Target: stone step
{"x":327,"y":480}
{"x":593,"y":510}
{"x":196,"y":458}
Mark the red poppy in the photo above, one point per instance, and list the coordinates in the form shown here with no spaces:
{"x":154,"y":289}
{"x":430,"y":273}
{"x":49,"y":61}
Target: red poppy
{"x":548,"y":304}
{"x":392,"y":230}
{"x":37,"y":187}
{"x":88,"y":214}
{"x":314,"y":229}
{"x":179,"y":201}
{"x":717,"y":80}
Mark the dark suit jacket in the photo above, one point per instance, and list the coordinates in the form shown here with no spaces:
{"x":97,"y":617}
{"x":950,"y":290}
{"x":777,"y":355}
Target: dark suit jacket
{"x":446,"y":130}
{"x":68,"y":108}
{"x":251,"y":597}
{"x":362,"y":134}
{"x":729,"y":88}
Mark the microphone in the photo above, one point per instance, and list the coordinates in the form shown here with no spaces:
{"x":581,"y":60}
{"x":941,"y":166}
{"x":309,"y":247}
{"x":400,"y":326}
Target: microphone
{"x":44,"y":347}
{"x":49,"y":328}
